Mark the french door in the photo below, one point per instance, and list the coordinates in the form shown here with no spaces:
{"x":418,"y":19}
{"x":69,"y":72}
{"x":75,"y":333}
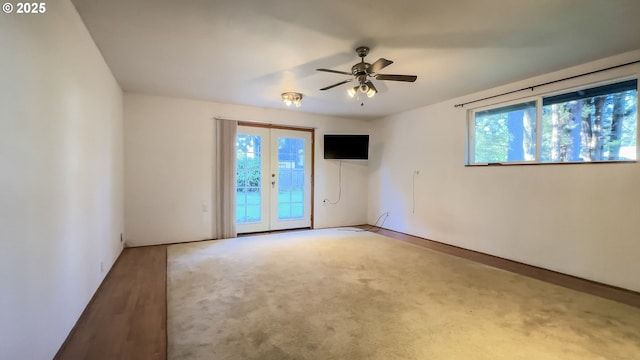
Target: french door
{"x":273,"y":185}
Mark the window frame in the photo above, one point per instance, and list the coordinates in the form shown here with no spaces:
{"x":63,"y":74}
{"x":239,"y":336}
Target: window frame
{"x":538,"y":99}
{"x":471,"y":134}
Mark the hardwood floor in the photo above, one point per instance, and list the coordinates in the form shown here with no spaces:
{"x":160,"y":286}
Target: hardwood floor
{"x":127,"y":317}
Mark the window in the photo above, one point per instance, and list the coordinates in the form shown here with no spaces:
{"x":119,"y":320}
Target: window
{"x":596,"y":124}
{"x":588,"y":125}
{"x":505,"y":134}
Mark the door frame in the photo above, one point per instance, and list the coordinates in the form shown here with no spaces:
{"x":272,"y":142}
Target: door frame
{"x":313,"y":154}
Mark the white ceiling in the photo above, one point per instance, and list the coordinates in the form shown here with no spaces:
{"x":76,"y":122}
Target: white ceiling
{"x":250,"y":51}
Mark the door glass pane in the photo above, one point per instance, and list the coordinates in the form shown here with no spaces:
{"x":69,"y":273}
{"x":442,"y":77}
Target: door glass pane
{"x":290,"y":178}
{"x":248,"y":178}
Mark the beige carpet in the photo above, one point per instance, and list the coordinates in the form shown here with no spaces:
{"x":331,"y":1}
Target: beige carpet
{"x":330,"y":294}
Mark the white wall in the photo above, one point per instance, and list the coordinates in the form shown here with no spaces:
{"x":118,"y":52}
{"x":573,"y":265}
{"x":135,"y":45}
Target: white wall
{"x":576,"y":219}
{"x":61,"y":180}
{"x":169,"y":154}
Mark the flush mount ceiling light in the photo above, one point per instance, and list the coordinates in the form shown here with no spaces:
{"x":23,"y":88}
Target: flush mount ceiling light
{"x":292,"y":98}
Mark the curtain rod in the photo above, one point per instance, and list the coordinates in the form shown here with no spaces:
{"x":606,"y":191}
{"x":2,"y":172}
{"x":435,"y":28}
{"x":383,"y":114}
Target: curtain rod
{"x":546,"y":83}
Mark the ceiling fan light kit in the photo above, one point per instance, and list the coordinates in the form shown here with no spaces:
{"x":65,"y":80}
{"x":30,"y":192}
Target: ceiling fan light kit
{"x":366,"y":88}
{"x":292,"y":98}
{"x":363,"y":71}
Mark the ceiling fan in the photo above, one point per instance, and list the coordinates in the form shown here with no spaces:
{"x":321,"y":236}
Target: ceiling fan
{"x":362,"y":72}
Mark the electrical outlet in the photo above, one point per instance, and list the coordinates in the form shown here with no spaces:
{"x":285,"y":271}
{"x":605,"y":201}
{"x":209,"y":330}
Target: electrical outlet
{"x":205,"y":208}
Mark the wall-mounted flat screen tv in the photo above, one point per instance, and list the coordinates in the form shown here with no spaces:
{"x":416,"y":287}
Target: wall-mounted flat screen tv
{"x":347,"y":147}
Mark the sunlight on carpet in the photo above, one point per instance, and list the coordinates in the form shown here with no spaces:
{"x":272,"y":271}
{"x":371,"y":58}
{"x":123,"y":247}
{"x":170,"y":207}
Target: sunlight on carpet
{"x":333,"y":294}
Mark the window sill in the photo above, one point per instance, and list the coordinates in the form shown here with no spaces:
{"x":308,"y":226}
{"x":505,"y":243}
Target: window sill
{"x":552,"y":163}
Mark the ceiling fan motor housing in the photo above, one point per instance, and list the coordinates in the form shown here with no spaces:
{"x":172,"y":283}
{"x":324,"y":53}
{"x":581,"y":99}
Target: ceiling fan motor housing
{"x":360,"y":69}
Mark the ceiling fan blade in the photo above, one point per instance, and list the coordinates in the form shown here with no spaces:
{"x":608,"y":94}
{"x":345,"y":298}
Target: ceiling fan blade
{"x":379,"y":65}
{"x":338,"y":84}
{"x":335,"y":71}
{"x":408,"y":78}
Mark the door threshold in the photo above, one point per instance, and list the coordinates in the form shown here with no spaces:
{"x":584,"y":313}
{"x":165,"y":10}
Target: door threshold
{"x":272,"y":232}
